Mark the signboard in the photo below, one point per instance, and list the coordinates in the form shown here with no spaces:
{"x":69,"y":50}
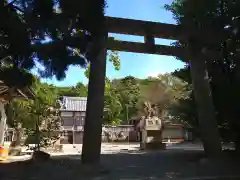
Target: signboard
{"x":77,"y":128}
{"x":153,"y":123}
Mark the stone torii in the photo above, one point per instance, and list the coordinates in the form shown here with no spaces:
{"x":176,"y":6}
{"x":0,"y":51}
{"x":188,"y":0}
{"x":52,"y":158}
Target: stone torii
{"x":150,"y":31}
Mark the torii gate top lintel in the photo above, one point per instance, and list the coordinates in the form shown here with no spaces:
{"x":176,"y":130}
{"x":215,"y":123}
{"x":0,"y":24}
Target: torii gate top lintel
{"x":151,"y":30}
{"x":142,"y":28}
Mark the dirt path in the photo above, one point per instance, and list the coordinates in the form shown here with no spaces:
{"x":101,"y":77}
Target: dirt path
{"x":124,"y":165}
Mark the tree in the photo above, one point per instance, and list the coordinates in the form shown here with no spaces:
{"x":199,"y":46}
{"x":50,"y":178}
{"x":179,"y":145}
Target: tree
{"x":81,"y":89}
{"x":129,"y":91}
{"x":184,"y":109}
{"x":221,"y":17}
{"x":163,"y":92}
{"x":78,"y":90}
{"x":112,"y":104}
{"x":32,"y":115}
{"x":25,"y":25}
{"x":153,"y":91}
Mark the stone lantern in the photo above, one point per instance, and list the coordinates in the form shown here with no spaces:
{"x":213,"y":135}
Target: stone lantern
{"x":151,"y":130}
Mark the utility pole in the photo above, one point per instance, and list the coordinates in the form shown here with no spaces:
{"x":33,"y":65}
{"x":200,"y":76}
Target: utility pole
{"x":127,"y":113}
{"x":127,"y":121}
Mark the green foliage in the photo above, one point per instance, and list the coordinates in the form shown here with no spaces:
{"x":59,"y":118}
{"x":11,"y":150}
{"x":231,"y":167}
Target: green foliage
{"x":123,"y":99}
{"x":87,"y":71}
{"x":113,"y":57}
{"x":7,"y":74}
{"x":35,"y":113}
{"x":185,"y":110}
{"x":78,"y":90}
{"x":112,"y":104}
{"x":28,"y":112}
{"x":221,"y":18}
{"x":129,"y":91}
{"x":70,"y":26}
{"x":164,"y":92}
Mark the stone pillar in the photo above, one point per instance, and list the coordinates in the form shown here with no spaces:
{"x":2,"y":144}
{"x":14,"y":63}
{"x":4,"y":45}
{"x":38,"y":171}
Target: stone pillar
{"x":93,"y":124}
{"x":206,"y":112}
{"x":3,"y":122}
{"x":152,"y":134}
{"x":143,"y":139}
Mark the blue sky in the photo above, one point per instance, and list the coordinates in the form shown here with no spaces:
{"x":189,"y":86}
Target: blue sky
{"x":138,"y":65}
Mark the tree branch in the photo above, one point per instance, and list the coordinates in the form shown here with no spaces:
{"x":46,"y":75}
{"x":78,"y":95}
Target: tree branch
{"x":11,"y":3}
{"x":17,"y":8}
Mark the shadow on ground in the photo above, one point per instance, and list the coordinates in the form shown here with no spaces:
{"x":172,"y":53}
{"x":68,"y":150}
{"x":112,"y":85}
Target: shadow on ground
{"x":170,"y":164}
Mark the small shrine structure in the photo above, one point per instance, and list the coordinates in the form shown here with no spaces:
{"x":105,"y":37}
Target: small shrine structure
{"x":6,"y":95}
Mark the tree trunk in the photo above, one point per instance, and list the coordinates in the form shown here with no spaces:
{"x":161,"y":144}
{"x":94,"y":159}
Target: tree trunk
{"x":38,"y":138}
{"x":236,"y":129}
{"x":237,"y":144}
{"x":206,"y":112}
{"x":93,"y":124}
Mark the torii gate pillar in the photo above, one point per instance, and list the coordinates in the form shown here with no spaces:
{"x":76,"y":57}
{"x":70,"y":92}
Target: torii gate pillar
{"x":93,"y":123}
{"x":205,"y":108}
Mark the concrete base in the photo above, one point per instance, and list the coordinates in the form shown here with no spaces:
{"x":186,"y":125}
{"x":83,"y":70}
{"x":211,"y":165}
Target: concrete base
{"x":152,"y":146}
{"x":152,"y":140}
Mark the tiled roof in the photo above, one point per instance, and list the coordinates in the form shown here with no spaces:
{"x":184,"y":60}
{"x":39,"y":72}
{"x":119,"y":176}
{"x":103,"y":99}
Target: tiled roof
{"x":74,"y":103}
{"x":25,"y":92}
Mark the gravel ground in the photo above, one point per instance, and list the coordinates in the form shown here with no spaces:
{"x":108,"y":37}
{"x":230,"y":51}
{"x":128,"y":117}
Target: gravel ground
{"x":123,"y":162}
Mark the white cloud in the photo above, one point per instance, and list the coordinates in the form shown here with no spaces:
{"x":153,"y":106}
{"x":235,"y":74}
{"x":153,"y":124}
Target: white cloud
{"x":155,"y":74}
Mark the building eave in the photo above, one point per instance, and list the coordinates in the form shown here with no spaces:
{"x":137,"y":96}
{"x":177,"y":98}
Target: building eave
{"x":25,"y":93}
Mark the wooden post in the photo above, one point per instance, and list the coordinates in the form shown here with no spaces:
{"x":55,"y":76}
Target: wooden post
{"x":206,"y":112}
{"x":74,"y":128}
{"x":150,"y":42}
{"x":3,"y":122}
{"x":93,"y":124}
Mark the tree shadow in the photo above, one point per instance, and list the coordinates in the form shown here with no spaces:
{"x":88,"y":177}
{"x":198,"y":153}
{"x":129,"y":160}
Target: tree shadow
{"x":124,"y":165}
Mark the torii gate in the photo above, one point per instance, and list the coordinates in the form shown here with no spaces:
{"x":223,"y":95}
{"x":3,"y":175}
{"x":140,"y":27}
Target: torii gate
{"x":149,"y":30}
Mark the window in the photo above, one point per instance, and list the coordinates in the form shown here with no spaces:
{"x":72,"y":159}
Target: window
{"x":67,"y":121}
{"x":80,"y":121}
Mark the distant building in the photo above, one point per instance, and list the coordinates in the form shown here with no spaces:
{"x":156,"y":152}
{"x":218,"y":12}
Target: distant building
{"x":73,"y":112}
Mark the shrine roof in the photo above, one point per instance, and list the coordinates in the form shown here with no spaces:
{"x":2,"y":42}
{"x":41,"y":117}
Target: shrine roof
{"x":74,"y":104}
{"x":26,"y":92}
